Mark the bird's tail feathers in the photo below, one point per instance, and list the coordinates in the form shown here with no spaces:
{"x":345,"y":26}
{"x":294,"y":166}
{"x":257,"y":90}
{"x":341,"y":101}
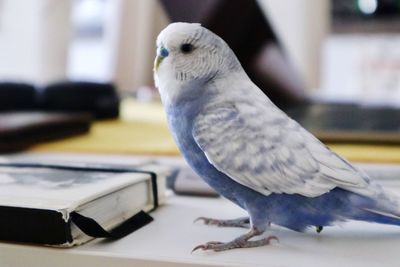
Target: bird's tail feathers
{"x":386,"y":208}
{"x":379,"y":217}
{"x":382,"y":213}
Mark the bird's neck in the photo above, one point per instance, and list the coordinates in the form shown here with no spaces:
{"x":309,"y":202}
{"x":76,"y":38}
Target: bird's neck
{"x":176,"y":93}
{"x":186,"y":94}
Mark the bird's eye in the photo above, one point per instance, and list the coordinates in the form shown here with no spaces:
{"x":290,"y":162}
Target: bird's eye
{"x":186,"y":48}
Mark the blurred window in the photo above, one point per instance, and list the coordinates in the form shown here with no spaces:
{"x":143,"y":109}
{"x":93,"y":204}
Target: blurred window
{"x":361,"y":58}
{"x":90,"y":51}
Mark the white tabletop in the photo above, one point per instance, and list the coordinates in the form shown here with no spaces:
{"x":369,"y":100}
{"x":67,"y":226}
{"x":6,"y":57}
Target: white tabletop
{"x":169,"y":240}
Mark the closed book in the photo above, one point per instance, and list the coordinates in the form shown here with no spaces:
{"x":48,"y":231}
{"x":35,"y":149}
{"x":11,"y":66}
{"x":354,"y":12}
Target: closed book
{"x":67,"y":205}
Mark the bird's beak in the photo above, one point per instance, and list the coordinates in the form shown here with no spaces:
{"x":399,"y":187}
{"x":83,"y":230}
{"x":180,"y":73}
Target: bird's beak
{"x":161,"y":54}
{"x":157,"y":62}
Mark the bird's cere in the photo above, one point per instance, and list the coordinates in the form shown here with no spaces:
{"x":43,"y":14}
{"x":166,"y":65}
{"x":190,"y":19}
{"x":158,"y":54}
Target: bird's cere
{"x":163,"y":52}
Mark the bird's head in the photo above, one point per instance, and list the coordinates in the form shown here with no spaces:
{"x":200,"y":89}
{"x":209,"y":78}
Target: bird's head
{"x":188,"y":52}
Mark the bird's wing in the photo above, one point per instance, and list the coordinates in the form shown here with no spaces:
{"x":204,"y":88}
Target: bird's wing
{"x":258,"y":146}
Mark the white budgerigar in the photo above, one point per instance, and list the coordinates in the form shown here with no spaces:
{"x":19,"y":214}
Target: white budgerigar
{"x":250,"y":151}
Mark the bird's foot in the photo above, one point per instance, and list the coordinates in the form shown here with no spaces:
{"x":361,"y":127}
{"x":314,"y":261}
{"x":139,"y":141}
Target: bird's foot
{"x":220,"y":246}
{"x":240,"y":242}
{"x":243,"y":222}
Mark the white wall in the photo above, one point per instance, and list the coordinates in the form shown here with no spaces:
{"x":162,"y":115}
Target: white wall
{"x":302,"y":26}
{"x":138,"y":26}
{"x":34,"y":38}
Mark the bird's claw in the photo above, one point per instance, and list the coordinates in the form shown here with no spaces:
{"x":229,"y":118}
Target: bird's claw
{"x":204,"y":219}
{"x":206,"y":246}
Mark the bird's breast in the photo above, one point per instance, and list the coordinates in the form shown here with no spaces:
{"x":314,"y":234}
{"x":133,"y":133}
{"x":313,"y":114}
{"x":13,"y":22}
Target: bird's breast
{"x":180,"y":121}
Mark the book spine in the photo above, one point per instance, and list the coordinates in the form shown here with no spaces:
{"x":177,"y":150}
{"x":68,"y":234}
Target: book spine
{"x":34,"y":226}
